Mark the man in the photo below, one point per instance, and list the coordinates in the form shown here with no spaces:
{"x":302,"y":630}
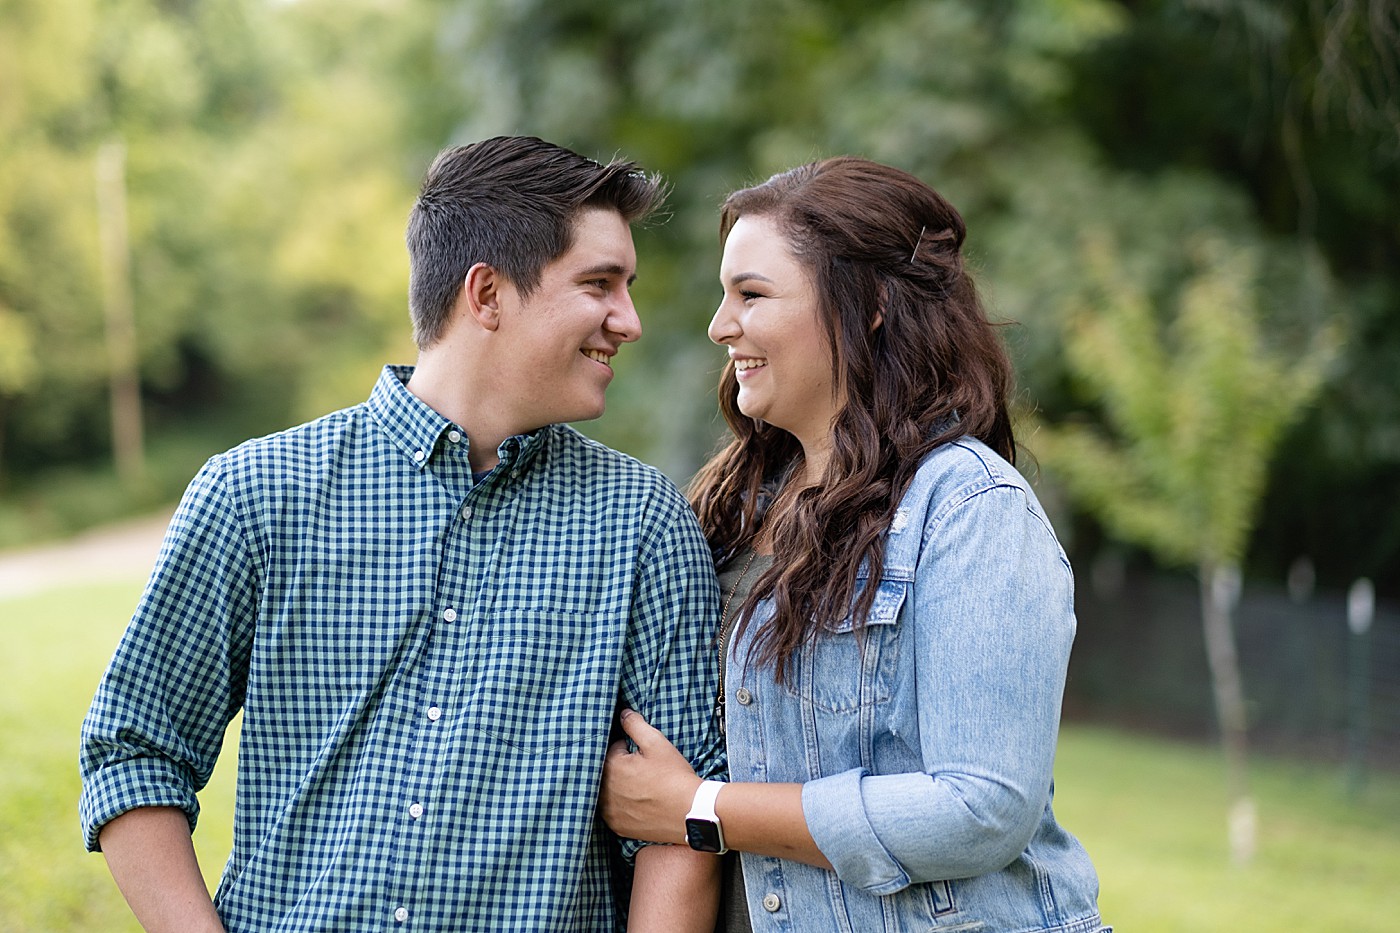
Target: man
{"x":428,"y":607}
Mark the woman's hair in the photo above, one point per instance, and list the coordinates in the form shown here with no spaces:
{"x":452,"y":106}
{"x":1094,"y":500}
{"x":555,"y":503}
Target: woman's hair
{"x":916,"y":358}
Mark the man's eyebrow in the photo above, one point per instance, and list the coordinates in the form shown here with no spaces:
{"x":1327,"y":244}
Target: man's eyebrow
{"x":608,"y":268}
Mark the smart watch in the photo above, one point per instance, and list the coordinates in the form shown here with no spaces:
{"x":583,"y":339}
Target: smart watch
{"x":702,"y":829}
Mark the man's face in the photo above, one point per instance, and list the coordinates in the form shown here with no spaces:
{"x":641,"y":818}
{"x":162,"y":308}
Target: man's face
{"x":555,"y":346}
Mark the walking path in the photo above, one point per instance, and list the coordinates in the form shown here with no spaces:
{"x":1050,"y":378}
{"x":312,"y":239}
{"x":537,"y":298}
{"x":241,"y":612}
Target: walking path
{"x":123,"y":551}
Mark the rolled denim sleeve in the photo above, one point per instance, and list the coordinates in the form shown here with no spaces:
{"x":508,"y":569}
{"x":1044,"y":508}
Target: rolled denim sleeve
{"x":673,"y":667}
{"x":156,"y":724}
{"x":990,"y":621}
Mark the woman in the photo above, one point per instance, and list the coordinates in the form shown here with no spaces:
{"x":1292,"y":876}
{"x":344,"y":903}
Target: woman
{"x":897,"y":611}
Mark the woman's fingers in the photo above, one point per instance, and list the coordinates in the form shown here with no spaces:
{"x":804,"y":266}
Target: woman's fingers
{"x":640,"y":731}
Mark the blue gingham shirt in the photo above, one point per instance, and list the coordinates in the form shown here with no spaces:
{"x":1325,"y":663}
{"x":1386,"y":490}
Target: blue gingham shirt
{"x":428,"y":668}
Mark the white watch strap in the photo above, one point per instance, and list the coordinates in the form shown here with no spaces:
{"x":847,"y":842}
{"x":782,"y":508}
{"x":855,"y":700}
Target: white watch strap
{"x":703,"y":806}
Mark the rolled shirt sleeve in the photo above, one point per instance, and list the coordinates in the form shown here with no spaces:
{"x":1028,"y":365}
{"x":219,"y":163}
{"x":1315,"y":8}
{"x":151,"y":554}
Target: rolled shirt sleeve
{"x":990,"y":624}
{"x":155,"y":727}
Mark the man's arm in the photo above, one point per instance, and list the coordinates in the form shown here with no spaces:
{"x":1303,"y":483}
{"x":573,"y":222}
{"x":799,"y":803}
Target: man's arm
{"x":674,"y":889}
{"x":151,"y":856}
{"x":672,"y":672}
{"x":155,"y":728}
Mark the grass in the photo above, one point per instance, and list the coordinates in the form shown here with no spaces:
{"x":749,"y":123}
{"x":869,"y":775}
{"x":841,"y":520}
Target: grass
{"x":55,"y":648}
{"x":1151,"y":811}
{"x":1152,"y":814}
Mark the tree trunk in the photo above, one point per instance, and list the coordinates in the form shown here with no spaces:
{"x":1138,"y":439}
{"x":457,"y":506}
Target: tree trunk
{"x":1220,"y":588}
{"x":128,"y":447}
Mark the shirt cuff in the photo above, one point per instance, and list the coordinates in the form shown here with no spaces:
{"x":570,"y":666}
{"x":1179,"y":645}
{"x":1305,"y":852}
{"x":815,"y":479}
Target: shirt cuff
{"x":129,"y":785}
{"x":837,"y":819}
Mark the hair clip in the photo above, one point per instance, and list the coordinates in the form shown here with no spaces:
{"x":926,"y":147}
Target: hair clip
{"x":917,"y":242}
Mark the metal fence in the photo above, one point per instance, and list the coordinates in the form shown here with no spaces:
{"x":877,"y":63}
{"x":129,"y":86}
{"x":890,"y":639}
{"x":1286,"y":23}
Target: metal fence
{"x":1313,"y":686}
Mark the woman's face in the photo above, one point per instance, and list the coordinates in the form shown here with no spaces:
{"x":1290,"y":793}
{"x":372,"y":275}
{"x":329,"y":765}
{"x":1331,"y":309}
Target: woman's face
{"x":768,"y":321}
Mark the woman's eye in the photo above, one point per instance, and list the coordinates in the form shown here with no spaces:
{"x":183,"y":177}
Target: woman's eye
{"x":749,"y":296}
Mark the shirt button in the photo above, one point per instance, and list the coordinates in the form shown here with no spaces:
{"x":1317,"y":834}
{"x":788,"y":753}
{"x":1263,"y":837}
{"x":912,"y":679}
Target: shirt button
{"x":466,"y":512}
{"x":401,"y":914}
{"x":419,"y":456}
{"x":416,"y":810}
{"x":454,"y":436}
{"x":771,"y":902}
{"x":449,"y":615}
{"x":434,"y":714}
{"x":743,"y":696}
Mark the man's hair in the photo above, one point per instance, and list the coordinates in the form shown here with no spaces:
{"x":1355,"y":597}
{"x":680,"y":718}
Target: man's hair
{"x":510,"y":202}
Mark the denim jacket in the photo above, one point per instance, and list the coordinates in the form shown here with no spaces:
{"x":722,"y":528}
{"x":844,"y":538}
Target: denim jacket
{"x":925,"y":753}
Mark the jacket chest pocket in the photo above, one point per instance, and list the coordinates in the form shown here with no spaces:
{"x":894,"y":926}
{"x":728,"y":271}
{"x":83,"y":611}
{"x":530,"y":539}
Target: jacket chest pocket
{"x":845,"y":668}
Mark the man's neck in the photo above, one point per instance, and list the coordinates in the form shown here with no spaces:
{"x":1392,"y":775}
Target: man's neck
{"x":442,"y":386}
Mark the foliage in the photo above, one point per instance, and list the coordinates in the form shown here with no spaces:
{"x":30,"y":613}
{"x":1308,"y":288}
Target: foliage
{"x":1295,"y":104}
{"x":1196,"y":399}
{"x":263,"y":211}
{"x":274,"y":148}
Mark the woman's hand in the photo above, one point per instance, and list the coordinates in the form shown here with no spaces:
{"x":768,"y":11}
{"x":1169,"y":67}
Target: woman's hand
{"x":647,"y":793}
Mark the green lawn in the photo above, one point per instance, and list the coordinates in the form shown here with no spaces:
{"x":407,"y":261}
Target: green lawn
{"x":55,"y":648}
{"x":1150,"y":811}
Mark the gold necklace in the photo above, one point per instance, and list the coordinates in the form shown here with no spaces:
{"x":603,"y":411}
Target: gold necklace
{"x":724,"y":630}
{"x":734,"y":590}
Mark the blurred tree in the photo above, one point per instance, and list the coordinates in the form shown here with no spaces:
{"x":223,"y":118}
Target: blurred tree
{"x":47,"y":264}
{"x":1297,"y":104}
{"x":273,"y":149}
{"x":1196,"y":395}
{"x":266,"y":215}
{"x":717,"y":95}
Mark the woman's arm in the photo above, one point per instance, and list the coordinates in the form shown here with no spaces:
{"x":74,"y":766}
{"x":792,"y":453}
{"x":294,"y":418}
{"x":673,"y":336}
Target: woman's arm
{"x":990,"y":628}
{"x":647,"y":793}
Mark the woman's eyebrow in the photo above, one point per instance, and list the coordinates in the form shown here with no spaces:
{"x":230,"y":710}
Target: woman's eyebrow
{"x":748,"y":276}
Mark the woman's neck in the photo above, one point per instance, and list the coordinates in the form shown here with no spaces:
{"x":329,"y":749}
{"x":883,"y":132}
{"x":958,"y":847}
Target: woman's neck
{"x":815,"y":455}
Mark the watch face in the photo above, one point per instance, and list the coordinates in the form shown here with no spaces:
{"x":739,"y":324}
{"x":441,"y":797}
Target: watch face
{"x":704,"y":836}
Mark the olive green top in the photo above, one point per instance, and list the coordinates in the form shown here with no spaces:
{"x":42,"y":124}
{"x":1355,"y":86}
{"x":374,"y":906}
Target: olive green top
{"x":736,"y":581}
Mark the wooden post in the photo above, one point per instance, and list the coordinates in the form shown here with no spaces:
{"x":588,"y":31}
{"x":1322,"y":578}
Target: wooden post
{"x":123,"y":369}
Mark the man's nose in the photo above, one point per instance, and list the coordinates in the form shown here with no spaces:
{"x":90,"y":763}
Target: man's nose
{"x":623,"y":320}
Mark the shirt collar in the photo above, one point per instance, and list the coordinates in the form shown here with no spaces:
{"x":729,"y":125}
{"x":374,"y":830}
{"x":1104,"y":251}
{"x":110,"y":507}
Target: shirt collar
{"x":415,"y":428}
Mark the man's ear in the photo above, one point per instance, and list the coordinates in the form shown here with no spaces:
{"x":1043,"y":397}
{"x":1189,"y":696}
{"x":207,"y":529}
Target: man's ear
{"x":481,"y":295}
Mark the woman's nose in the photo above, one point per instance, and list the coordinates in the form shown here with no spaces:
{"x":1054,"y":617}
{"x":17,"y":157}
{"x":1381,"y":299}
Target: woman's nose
{"x":723,"y":326}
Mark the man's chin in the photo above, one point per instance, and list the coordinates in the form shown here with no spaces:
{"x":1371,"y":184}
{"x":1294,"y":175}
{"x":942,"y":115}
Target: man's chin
{"x":586,"y":413}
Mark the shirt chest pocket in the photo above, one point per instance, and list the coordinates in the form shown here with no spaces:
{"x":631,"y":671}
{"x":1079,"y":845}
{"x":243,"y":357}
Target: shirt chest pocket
{"x":846,"y":668}
{"x":545,"y":679}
